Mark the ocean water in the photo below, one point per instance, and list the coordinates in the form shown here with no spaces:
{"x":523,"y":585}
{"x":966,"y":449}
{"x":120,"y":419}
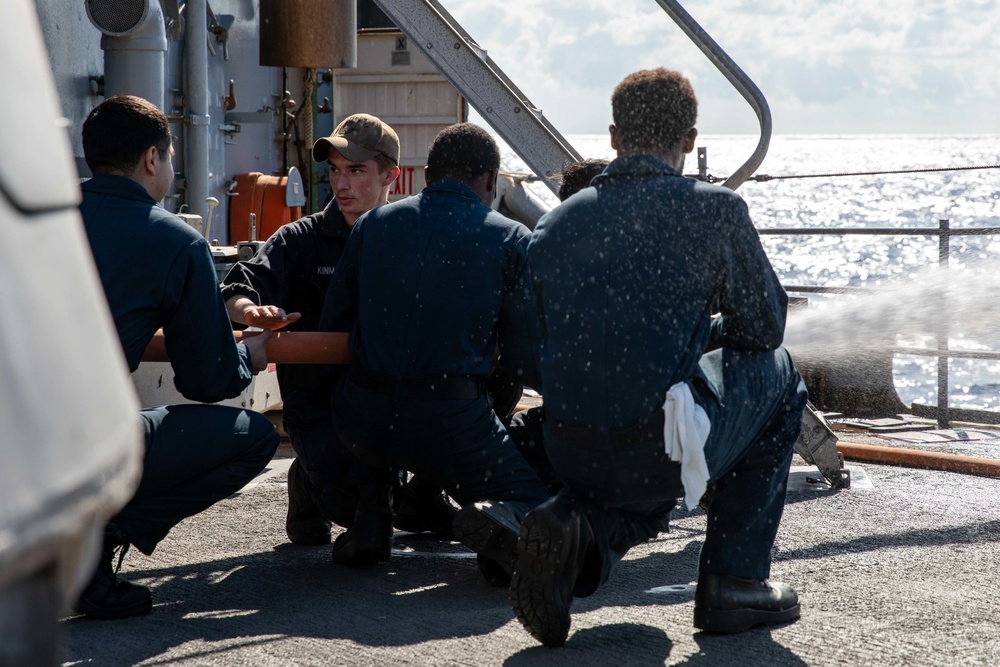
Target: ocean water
{"x":908,"y":296}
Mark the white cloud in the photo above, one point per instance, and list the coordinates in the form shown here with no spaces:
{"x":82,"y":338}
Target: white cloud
{"x":825,"y":66}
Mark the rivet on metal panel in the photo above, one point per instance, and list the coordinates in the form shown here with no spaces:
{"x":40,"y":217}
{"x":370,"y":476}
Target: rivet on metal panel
{"x":489,"y":109}
{"x":517,"y":109}
{"x":430,"y":45}
{"x":457,"y":46}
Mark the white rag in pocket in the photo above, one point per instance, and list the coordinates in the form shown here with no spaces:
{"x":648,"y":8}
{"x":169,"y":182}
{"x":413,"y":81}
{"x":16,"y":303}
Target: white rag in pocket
{"x":685,"y":430}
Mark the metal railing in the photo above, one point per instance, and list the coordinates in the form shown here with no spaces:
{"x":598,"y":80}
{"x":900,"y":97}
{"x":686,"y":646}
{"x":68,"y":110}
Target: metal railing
{"x":743,"y":84}
{"x":944,"y":231}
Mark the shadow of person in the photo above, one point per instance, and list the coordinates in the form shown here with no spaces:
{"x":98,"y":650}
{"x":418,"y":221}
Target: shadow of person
{"x":620,"y":644}
{"x":754,"y":647}
{"x":972,"y":533}
{"x":656,"y":579}
{"x":281,"y":593}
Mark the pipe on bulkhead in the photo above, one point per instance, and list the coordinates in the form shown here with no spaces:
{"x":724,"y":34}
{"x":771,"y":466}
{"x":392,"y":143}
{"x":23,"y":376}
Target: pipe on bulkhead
{"x":134,"y":41}
{"x":197,"y":120}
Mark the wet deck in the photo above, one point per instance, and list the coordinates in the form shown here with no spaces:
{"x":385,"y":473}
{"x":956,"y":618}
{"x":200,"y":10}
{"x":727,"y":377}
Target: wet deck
{"x":901,"y":569}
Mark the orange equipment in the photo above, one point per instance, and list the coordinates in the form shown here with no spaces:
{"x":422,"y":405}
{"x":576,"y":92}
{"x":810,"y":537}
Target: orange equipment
{"x":285,"y":347}
{"x":263,"y":196}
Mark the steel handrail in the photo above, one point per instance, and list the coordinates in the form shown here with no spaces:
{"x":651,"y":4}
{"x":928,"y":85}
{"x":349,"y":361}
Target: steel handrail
{"x":879,"y":231}
{"x":739,"y":80}
{"x":952,"y":353}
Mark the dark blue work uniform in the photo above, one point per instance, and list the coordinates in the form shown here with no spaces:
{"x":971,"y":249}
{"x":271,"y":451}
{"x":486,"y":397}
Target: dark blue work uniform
{"x":628,"y":274}
{"x":157,"y":273}
{"x":429,"y":287}
{"x":292,"y":271}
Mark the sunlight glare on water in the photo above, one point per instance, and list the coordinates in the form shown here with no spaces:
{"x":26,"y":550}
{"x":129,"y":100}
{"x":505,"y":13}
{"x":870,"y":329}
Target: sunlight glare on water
{"x":912,"y":301}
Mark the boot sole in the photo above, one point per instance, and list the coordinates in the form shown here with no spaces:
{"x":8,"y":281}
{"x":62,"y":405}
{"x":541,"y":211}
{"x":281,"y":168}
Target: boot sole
{"x":489,"y":539}
{"x":731,"y":621}
{"x":542,"y":555}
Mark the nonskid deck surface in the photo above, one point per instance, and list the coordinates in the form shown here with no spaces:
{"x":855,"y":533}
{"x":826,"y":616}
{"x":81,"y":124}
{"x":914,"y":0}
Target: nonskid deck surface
{"x":899,"y":569}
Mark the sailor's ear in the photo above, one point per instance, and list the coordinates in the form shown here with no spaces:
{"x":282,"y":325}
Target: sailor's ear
{"x":491,"y":181}
{"x":689,"y":139}
{"x":391,"y":174}
{"x":613,"y":131}
{"x":150,"y":162}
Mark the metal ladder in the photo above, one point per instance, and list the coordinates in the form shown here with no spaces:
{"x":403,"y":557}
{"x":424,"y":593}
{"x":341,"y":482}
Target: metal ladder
{"x":473,"y":73}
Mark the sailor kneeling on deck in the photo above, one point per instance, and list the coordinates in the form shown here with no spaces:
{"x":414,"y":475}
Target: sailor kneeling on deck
{"x":285,"y":284}
{"x":157,"y":272}
{"x":429,"y":287}
{"x":647,"y":398}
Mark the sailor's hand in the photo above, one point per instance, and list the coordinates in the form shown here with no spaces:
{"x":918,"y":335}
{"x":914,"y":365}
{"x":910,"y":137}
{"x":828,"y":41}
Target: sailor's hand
{"x":256,"y":345}
{"x":269,"y":317}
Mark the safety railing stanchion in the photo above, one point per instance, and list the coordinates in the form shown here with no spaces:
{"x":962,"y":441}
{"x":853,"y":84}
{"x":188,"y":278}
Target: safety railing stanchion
{"x":944,"y":249}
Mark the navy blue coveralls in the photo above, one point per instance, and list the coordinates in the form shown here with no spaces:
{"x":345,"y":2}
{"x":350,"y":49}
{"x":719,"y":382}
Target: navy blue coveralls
{"x":292,"y":271}
{"x":157,"y":273}
{"x":428,"y":286}
{"x":628,"y":274}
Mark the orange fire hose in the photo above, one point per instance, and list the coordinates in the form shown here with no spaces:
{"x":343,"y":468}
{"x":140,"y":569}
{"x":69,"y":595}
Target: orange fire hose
{"x":308,"y":347}
{"x":919,"y":459}
{"x":285,"y":347}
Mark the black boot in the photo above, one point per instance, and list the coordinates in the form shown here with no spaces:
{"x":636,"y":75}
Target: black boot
{"x":105,"y":597}
{"x":304,"y":523}
{"x":724,"y":604}
{"x":552,"y":550}
{"x":490,"y":528}
{"x":425,"y":509}
{"x":369,"y":540}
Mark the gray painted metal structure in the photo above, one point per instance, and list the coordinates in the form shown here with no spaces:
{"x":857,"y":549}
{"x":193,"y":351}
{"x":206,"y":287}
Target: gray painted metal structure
{"x":198,"y":119}
{"x":134,"y":57}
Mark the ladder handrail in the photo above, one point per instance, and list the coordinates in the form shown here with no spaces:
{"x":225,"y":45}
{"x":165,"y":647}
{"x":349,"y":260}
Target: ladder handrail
{"x":737,"y":77}
{"x":473,"y":73}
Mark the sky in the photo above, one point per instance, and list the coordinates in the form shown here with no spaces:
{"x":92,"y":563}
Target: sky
{"x":824,"y":66}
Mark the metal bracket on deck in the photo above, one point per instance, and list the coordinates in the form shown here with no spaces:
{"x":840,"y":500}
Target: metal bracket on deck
{"x":817,"y":444}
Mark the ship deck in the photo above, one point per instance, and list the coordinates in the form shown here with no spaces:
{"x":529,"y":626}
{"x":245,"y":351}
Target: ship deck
{"x":901,"y":568}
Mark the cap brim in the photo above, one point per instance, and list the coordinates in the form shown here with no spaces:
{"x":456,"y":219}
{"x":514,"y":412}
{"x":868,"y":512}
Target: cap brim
{"x":353,"y":152}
